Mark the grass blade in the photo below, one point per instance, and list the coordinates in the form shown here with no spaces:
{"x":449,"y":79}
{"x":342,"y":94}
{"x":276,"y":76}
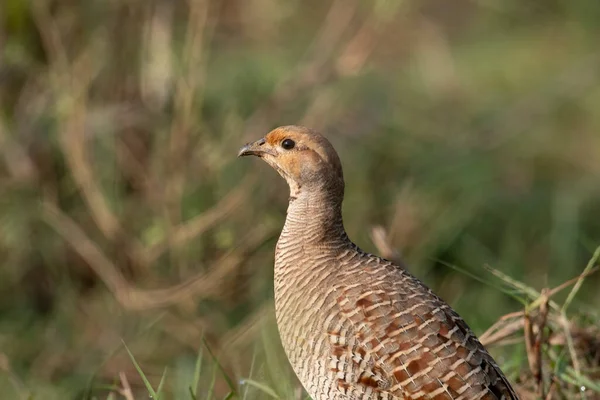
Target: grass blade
{"x":229,"y":395}
{"x":481,"y":280}
{"x":142,"y":375}
{"x":262,"y":387}
{"x":161,"y":384}
{"x":579,"y":282}
{"x":220,"y":367}
{"x":211,"y":387}
{"x":197,"y":372}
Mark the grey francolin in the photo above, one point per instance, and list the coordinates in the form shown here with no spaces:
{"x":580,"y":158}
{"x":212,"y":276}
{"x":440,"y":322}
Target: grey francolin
{"x":354,"y":325}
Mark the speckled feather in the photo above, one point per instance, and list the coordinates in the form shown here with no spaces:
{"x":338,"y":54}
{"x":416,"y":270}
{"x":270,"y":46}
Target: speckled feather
{"x":355,"y":326}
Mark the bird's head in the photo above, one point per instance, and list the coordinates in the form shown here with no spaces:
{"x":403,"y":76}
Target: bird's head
{"x":303,"y":157}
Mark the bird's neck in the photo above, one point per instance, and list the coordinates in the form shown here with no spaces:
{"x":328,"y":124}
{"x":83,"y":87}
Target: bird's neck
{"x":314,"y":219}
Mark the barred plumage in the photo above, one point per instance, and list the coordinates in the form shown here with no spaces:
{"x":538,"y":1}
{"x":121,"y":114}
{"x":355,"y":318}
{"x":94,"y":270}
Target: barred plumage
{"x":355,"y":326}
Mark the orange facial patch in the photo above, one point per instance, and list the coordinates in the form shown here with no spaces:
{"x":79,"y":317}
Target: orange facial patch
{"x":276,"y":136}
{"x":311,"y":145}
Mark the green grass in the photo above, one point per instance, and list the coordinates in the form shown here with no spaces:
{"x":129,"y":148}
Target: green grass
{"x":468,"y":132}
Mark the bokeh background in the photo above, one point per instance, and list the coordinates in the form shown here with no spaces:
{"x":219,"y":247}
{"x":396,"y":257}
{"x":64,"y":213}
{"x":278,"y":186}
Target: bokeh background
{"x":469,"y":131}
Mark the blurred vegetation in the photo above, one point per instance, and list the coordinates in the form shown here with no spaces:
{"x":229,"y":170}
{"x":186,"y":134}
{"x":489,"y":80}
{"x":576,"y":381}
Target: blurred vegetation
{"x":469,"y":133}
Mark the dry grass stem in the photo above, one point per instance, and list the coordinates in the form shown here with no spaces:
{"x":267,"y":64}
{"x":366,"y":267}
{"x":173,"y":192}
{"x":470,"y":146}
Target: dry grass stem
{"x":380,"y":239}
{"x":188,"y":230}
{"x":188,"y":92}
{"x":125,"y":390}
{"x":534,"y":339}
{"x":203,"y":285}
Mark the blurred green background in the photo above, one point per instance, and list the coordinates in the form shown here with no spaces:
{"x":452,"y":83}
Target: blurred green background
{"x":469,"y":132}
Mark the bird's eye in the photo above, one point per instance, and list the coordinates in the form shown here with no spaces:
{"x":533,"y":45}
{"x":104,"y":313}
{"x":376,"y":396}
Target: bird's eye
{"x":288,"y":144}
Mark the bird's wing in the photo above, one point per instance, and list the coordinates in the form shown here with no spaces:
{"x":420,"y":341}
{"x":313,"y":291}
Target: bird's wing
{"x":398,"y":340}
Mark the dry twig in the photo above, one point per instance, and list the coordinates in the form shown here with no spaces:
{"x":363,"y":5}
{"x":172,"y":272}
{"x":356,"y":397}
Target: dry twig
{"x":202,"y":285}
{"x":534,"y":339}
{"x":125,"y":390}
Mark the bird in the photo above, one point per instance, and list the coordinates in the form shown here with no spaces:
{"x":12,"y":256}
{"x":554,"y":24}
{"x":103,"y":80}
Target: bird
{"x":353,"y":325}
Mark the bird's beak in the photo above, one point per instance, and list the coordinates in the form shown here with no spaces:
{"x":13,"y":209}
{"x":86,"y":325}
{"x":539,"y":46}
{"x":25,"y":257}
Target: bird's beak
{"x":257,"y":148}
